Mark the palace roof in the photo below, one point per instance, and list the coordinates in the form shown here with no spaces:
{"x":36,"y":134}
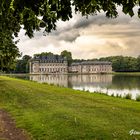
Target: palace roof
{"x":50,"y":59}
{"x":92,"y":63}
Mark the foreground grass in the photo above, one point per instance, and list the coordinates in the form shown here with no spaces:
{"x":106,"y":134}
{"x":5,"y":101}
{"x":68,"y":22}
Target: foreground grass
{"x":54,"y":113}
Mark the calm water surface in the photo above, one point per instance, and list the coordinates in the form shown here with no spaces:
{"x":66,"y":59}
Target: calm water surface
{"x":110,"y":84}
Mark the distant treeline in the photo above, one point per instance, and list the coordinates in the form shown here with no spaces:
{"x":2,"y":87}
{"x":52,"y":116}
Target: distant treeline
{"x":119,"y":63}
{"x":123,"y":63}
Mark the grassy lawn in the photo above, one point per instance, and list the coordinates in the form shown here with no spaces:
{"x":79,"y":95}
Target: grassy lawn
{"x":53,"y":113}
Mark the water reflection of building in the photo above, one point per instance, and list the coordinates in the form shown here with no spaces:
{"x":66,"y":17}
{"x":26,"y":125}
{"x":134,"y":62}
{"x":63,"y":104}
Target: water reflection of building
{"x":74,"y":80}
{"x":60,"y":80}
{"x":90,"y":80}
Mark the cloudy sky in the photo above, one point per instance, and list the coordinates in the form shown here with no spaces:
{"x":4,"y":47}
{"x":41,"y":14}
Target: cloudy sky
{"x":94,"y":37}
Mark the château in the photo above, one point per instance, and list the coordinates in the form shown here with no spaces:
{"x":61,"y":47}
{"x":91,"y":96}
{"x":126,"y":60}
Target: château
{"x":58,"y":64}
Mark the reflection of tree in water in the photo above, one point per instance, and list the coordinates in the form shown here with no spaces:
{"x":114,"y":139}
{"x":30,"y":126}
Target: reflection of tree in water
{"x":127,"y":82}
{"x":70,"y":85}
{"x":25,"y":77}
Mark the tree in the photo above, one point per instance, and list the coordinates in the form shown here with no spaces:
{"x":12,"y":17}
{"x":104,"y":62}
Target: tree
{"x":36,"y":14}
{"x":122,"y":63}
{"x":22,"y":65}
{"x":138,"y":63}
{"x":43,"y":54}
{"x":68,"y":55}
{"x":8,"y":26}
{"x":8,"y":52}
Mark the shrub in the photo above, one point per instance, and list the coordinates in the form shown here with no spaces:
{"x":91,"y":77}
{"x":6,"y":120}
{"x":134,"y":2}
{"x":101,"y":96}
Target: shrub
{"x":112,"y":95}
{"x":83,"y":89}
{"x":128,"y":96}
{"x":120,"y":96}
{"x":117,"y":95}
{"x":88,"y":91}
{"x":51,"y":84}
{"x":138,"y":98}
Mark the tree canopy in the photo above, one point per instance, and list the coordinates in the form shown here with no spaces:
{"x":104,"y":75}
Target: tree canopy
{"x":8,"y":52}
{"x":22,"y":65}
{"x":64,"y":53}
{"x":35,"y":14}
{"x":68,"y":55}
{"x":32,"y":15}
{"x":43,"y":54}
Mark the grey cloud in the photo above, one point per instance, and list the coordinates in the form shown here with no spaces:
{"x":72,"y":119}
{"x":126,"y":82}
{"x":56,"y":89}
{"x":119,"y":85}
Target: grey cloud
{"x":69,"y":36}
{"x":71,"y":33}
{"x":120,"y":34}
{"x":129,"y":48}
{"x":101,"y":20}
{"x":114,"y":48}
{"x":133,"y":46}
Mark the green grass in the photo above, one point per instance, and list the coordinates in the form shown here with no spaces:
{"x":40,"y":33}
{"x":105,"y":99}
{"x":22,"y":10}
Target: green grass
{"x":126,"y":73}
{"x":54,"y":113}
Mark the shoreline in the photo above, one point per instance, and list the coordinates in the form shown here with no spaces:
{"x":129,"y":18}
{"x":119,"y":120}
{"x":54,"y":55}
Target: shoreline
{"x":113,"y":73}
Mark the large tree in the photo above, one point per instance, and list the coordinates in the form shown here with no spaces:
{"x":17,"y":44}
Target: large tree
{"x":8,"y":52}
{"x":22,"y":65}
{"x":36,"y":14}
{"x":68,"y":56}
{"x":138,"y":63}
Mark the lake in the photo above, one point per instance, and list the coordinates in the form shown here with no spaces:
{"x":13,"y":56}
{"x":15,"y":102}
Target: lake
{"x":105,"y":83}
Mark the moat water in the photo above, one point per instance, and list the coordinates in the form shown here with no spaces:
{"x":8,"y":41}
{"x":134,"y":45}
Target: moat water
{"x":105,"y":83}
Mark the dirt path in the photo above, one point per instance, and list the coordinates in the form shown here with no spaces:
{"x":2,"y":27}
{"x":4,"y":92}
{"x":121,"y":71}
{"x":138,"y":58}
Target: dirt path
{"x":8,"y":129}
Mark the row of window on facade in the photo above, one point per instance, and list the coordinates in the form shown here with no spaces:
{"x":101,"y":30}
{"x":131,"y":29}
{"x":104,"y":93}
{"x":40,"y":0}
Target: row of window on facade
{"x":53,"y":64}
{"x":52,"y":69}
{"x":94,"y":69}
{"x":52,"y":61}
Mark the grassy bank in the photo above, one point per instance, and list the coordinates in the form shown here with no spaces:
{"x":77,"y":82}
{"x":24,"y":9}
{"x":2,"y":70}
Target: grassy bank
{"x":54,"y":113}
{"x":126,"y":73}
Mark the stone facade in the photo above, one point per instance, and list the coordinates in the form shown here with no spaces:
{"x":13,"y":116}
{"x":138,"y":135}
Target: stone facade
{"x":91,"y":67}
{"x":49,"y":64}
{"x":58,"y":64}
